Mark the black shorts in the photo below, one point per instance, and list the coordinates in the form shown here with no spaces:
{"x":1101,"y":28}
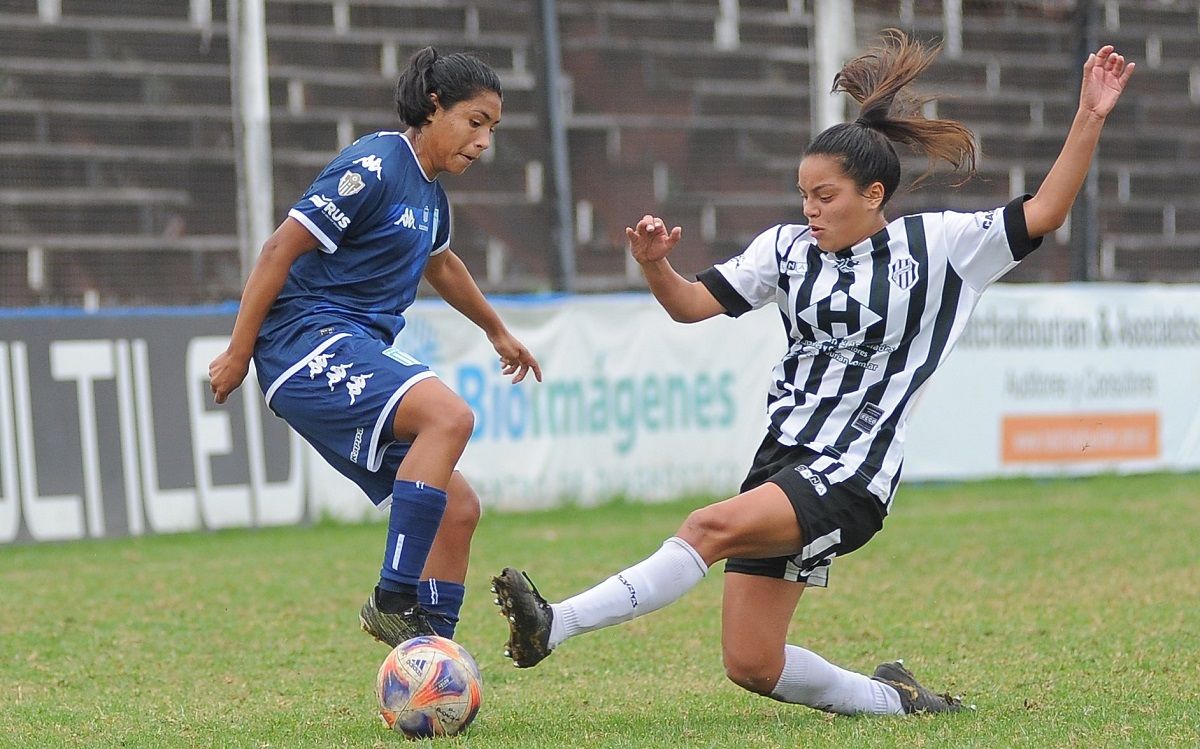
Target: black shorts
{"x":835,"y":517}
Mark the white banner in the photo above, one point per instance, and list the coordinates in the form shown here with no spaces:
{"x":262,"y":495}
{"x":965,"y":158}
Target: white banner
{"x":633,"y":404}
{"x":1046,"y":380}
{"x":1066,"y":379}
{"x":107,"y":426}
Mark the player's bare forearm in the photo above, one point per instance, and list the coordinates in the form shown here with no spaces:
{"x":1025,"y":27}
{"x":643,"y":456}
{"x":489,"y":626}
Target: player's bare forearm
{"x":290,"y":241}
{"x":449,"y":277}
{"x":1105,"y":74}
{"x":685,"y":301}
{"x":1048,"y":209}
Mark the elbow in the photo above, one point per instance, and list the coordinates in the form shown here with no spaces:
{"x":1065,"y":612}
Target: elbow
{"x":1041,"y":220}
{"x":680,"y":314}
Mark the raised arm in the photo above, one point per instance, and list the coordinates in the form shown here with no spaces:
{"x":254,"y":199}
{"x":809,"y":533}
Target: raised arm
{"x":290,"y":241}
{"x":450,"y":278}
{"x":684,"y":300}
{"x":1104,"y":77}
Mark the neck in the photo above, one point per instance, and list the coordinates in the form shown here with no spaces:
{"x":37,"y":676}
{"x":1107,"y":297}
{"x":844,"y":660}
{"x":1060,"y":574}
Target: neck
{"x":421,"y":149}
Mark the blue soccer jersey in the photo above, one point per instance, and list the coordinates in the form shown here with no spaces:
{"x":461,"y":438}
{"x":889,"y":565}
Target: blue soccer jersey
{"x":378,"y":219}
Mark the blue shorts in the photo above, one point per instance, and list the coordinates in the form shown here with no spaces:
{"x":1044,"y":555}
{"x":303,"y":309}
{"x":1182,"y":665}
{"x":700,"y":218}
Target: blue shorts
{"x":339,"y":388}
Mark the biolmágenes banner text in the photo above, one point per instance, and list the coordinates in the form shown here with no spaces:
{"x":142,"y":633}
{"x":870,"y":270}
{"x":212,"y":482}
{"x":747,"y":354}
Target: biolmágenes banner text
{"x":107,"y":426}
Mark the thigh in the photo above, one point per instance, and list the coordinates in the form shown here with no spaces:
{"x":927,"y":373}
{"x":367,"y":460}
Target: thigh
{"x":344,"y":395}
{"x":756,"y":523}
{"x":425,"y":402}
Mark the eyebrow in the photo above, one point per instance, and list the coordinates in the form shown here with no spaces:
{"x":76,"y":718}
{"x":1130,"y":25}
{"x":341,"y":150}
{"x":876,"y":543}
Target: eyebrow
{"x":487,"y":116}
{"x":818,"y":187}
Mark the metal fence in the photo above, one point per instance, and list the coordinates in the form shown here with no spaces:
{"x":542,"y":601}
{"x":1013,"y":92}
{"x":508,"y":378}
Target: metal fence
{"x":118,"y":175}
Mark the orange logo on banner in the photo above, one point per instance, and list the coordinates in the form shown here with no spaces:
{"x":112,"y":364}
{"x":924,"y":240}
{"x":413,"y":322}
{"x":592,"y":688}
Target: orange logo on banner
{"x":1058,"y":438}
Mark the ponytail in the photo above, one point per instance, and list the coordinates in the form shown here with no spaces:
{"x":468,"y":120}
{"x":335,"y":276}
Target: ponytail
{"x":878,"y":80}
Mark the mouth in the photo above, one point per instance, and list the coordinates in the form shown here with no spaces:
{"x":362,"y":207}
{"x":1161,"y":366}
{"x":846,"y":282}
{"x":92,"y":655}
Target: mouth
{"x":468,"y":159}
{"x":816,"y":231}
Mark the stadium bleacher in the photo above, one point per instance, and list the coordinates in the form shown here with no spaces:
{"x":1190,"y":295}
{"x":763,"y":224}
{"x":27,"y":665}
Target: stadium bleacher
{"x":117,"y":174}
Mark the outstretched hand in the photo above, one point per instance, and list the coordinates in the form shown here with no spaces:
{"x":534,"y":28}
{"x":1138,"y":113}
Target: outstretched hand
{"x":649,"y":240}
{"x":515,"y":359}
{"x":1104,"y":77}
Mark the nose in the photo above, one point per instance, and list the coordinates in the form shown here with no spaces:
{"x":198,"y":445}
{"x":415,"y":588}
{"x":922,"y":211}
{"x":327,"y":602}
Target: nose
{"x":484,"y":141}
{"x":811,"y":209}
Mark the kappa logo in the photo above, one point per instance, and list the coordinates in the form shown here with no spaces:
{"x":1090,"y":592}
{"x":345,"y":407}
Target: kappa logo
{"x":356,"y":385}
{"x":337,"y":373}
{"x":331,"y":211}
{"x":350,"y":184}
{"x":904,"y":273}
{"x":407,"y":219}
{"x":354,"y":450}
{"x":317,"y":364}
{"x":372,"y":164}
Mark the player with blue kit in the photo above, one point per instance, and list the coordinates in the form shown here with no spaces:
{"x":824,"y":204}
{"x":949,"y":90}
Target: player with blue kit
{"x":321,"y":311}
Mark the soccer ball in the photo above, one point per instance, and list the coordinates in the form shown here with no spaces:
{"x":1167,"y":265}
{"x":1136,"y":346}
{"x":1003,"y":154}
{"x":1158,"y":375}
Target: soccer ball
{"x":428,"y":686}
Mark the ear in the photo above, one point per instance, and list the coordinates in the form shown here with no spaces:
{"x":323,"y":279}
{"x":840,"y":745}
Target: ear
{"x":437,"y":108}
{"x":875,"y":193}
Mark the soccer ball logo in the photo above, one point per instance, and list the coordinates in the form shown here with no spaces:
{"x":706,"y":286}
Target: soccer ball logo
{"x":428,"y":686}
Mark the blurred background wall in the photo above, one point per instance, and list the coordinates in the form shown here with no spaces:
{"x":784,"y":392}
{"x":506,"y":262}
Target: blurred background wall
{"x":119,"y":181}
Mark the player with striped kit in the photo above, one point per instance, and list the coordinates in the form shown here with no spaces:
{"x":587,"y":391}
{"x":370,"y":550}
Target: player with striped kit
{"x":871,"y":308}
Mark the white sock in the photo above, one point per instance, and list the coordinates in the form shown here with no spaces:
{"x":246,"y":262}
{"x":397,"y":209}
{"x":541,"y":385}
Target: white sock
{"x":647,"y":586}
{"x":809,"y":679}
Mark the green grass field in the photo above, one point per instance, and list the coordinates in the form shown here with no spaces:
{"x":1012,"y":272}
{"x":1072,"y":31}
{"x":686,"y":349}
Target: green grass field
{"x":1067,"y":611}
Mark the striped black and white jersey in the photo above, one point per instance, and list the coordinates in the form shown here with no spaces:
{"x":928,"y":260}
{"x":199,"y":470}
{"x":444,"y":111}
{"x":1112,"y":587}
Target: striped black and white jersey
{"x":867,"y":326}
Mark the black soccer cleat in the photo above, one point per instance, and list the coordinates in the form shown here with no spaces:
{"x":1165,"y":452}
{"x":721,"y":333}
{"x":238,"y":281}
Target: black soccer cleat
{"x":528,"y":615}
{"x":393,"y":629}
{"x":914,"y":698}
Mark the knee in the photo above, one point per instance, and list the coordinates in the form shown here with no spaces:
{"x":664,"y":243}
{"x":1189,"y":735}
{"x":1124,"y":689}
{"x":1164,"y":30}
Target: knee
{"x":710,"y":532}
{"x":462,"y":507}
{"x":750,"y":673}
{"x":456,"y":421}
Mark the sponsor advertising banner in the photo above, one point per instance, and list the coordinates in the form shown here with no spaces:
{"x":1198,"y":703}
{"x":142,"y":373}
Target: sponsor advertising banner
{"x":1066,"y":379}
{"x":107,"y":427}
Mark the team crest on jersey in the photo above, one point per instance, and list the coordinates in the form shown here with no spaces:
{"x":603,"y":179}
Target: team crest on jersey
{"x":350,"y":183}
{"x":903,"y":273}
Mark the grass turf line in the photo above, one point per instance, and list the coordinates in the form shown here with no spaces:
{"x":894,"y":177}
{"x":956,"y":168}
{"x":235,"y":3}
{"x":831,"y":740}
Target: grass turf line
{"x":1065,"y":610}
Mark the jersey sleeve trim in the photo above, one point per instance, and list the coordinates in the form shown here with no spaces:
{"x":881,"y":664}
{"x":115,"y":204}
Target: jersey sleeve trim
{"x":723,"y":292}
{"x":439,"y":250}
{"x":328,"y":246}
{"x":1015,"y":228}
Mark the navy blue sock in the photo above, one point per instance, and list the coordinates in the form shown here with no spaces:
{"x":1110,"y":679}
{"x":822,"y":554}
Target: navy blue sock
{"x":416,"y":513}
{"x":443,"y":598}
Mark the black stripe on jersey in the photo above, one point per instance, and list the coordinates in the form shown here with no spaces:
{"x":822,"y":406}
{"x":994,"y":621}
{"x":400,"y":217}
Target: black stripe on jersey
{"x":1017,"y":230}
{"x":914,"y":229}
{"x":947,"y":311}
{"x":803,"y":331}
{"x":785,"y":281}
{"x":852,"y":376}
{"x":880,"y":298}
{"x":723,"y":292}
